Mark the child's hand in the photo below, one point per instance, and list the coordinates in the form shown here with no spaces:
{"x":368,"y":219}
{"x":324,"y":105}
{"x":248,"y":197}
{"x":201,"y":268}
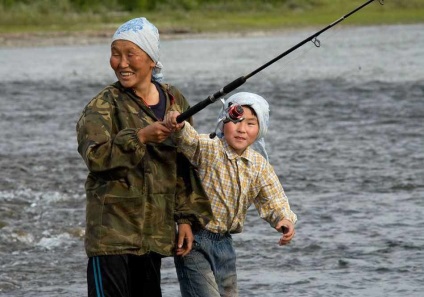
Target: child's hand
{"x":170,"y":121}
{"x":287,"y":228}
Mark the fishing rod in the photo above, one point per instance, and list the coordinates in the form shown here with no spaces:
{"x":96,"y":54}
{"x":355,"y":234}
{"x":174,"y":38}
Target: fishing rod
{"x":242,"y":79}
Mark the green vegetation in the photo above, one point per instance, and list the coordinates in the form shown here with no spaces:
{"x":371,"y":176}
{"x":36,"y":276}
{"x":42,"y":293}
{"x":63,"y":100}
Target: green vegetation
{"x":198,"y":16}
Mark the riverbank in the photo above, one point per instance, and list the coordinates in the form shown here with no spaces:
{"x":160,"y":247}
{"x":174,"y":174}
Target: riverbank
{"x":62,"y":38}
{"x":39,"y":39}
{"x":22,"y":29}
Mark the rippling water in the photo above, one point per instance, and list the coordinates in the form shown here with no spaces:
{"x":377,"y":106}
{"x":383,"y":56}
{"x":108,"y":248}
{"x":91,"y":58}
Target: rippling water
{"x":346,"y":138}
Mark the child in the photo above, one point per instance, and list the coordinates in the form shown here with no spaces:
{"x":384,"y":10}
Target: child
{"x":233,"y":175}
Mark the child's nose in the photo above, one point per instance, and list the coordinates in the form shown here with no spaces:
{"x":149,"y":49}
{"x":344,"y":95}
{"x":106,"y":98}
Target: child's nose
{"x":241,"y":126}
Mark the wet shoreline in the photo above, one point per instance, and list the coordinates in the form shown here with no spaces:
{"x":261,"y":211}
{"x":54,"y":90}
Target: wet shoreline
{"x":43,"y":39}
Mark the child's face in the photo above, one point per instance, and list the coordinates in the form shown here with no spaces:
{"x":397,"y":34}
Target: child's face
{"x":240,"y":135}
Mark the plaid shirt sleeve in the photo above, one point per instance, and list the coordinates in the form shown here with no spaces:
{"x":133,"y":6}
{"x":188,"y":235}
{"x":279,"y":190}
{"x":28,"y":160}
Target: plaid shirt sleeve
{"x":272,"y":202}
{"x":187,"y":140}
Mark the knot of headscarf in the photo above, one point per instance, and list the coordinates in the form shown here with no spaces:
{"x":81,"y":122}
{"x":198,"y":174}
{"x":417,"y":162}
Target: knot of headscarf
{"x":261,"y":108}
{"x":146,"y":36}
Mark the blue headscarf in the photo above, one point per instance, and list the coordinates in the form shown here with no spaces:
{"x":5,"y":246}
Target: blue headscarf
{"x":261,"y":108}
{"x":146,"y":36}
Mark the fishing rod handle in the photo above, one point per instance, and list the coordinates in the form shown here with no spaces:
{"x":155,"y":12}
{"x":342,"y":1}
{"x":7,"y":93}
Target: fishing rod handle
{"x":211,"y":99}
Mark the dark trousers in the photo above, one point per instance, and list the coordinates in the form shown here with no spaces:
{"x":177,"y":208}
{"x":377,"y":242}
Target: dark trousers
{"x":124,"y":276}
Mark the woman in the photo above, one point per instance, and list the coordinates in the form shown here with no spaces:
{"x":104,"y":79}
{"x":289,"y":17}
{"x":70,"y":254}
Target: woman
{"x":136,"y":192}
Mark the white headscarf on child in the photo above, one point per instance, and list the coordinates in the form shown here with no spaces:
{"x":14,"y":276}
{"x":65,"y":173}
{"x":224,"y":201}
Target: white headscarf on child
{"x":145,"y":35}
{"x":260,"y":106}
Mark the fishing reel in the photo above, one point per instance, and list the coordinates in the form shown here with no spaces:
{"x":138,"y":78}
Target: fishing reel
{"x":233,"y":113}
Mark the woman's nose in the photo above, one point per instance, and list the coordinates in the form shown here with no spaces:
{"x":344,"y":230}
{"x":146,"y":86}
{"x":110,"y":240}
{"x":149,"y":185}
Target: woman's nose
{"x":123,"y":62}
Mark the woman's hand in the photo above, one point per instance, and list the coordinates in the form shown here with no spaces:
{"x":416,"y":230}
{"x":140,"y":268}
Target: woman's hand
{"x":156,"y":133}
{"x":185,"y":239}
{"x":170,"y":121}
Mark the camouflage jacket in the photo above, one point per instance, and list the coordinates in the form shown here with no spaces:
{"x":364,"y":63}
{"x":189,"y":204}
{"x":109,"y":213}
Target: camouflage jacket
{"x":135,"y":192}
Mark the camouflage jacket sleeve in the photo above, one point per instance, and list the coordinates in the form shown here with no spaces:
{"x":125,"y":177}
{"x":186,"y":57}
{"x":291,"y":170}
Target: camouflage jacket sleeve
{"x":192,"y":204}
{"x":103,"y":146}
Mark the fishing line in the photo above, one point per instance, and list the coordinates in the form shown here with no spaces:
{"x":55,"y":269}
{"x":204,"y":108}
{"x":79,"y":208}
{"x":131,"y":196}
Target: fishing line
{"x":242,"y":79}
{"x":266,"y":76}
{"x":304,"y":54}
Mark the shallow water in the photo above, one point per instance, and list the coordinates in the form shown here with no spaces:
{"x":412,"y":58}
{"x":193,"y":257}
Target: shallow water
{"x":346,"y":138}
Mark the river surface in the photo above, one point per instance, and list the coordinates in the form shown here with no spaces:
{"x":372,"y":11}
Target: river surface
{"x":346,"y":138}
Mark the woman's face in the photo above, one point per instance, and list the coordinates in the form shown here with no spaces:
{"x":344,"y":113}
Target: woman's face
{"x":131,"y":64}
{"x":242,"y":134}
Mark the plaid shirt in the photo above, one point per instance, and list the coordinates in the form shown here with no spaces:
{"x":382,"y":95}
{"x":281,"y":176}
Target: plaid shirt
{"x":233,"y":182}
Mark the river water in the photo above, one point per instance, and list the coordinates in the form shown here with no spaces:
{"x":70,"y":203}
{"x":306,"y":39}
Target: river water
{"x":346,"y":139}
